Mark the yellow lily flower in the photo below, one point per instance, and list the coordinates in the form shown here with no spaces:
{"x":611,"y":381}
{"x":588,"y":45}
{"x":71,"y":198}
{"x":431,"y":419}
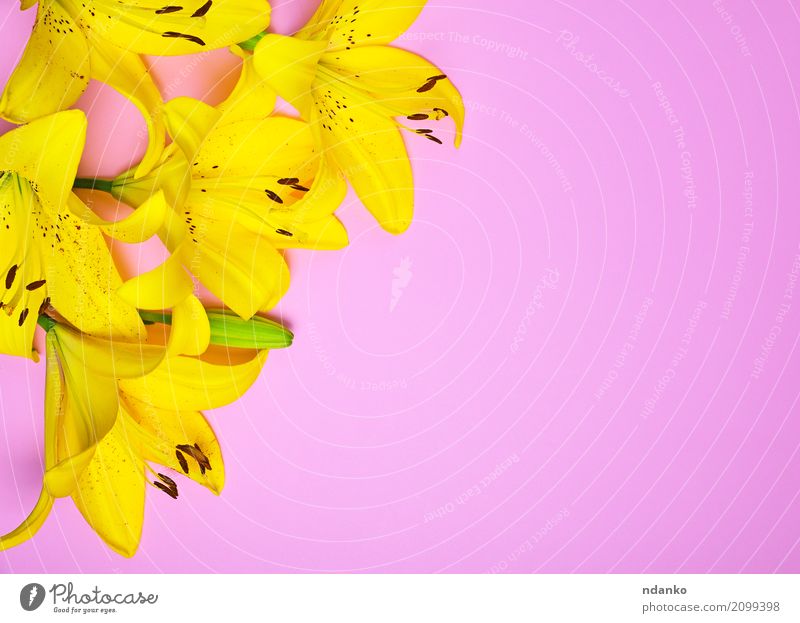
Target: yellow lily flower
{"x":75,"y":40}
{"x":111,"y":408}
{"x":242,"y":190}
{"x":340,"y":74}
{"x":48,"y":255}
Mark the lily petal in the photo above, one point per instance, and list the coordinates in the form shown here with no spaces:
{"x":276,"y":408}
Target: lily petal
{"x":289,"y":65}
{"x":144,"y":223}
{"x":110,"y":493}
{"x":277,"y":146}
{"x":370,"y":152}
{"x":53,"y":410}
{"x":161,"y":288}
{"x":144,"y":27}
{"x":81,"y":276}
{"x":90,"y":368}
{"x":46,"y":152}
{"x":194,"y":384}
{"x":53,"y":71}
{"x":400,"y":81}
{"x":189,"y":122}
{"x":361,"y":21}
{"x":191,"y":332}
{"x":125,"y":72}
{"x":242,"y":269}
{"x":252,"y":98}
{"x":159,"y":432}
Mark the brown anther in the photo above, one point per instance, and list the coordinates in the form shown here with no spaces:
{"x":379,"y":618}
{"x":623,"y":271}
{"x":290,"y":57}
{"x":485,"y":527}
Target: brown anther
{"x":182,"y":460}
{"x":201,"y":12}
{"x":167,"y":480}
{"x":431,"y":137}
{"x":300,"y":187}
{"x":420,"y":116}
{"x":423,"y":131}
{"x":35,"y":285}
{"x":12,"y":272}
{"x":288,"y":181}
{"x":197,"y":454}
{"x":273,"y":196}
{"x":283,"y":232}
{"x":173,"y":493}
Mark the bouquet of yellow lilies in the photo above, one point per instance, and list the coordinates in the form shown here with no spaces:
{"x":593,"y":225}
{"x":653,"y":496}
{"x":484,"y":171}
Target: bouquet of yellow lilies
{"x":131,"y":365}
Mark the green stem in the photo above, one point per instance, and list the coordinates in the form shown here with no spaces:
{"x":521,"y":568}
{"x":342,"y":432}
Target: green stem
{"x":252,"y":42}
{"x":46,"y":322}
{"x":93,"y":183}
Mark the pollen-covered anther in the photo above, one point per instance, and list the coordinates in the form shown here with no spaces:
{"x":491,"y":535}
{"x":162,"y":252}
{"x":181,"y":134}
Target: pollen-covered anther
{"x":10,"y":275}
{"x":197,"y":454}
{"x":182,"y":461}
{"x":431,"y":83}
{"x":167,"y":485}
{"x":273,"y":195}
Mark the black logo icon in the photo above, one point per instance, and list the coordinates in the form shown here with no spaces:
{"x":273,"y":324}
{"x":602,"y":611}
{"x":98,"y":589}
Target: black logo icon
{"x":31,"y":596}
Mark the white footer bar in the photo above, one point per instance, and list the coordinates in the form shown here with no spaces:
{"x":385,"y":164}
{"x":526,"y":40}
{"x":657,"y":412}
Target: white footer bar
{"x":401,"y":598}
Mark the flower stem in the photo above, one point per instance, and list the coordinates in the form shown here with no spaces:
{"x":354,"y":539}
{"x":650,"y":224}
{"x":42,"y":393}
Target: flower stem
{"x":46,"y":322}
{"x":251,"y":43}
{"x":93,"y":183}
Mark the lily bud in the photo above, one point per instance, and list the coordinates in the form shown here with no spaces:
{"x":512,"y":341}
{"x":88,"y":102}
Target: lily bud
{"x":228,"y":329}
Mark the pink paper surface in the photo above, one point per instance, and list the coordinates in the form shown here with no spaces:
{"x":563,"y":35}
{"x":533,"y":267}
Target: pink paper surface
{"x":582,"y":356}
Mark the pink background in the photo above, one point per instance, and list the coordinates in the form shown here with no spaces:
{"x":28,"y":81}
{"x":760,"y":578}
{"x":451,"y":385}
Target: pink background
{"x":569,"y":381}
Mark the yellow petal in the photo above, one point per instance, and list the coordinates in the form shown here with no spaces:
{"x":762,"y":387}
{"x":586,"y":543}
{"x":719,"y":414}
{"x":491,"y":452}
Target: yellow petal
{"x":46,"y":152}
{"x":171,"y":175}
{"x":110,"y":493}
{"x":53,"y":71}
{"x":325,"y":195}
{"x":370,"y":152}
{"x":361,"y":21}
{"x":190,"y":333}
{"x":22,"y":275}
{"x":144,"y":223}
{"x":125,"y":72}
{"x":161,"y":288}
{"x":90,"y":367}
{"x":394,"y":77}
{"x":289,"y":65}
{"x":194,"y":384}
{"x":115,"y":359}
{"x":53,"y":409}
{"x":276,"y":146}
{"x":252,"y":98}
{"x":143,"y":26}
{"x":32,"y":522}
{"x":189,"y":121}
{"x":159,"y":431}
{"x":240,"y":268}
{"x":81,"y":276}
